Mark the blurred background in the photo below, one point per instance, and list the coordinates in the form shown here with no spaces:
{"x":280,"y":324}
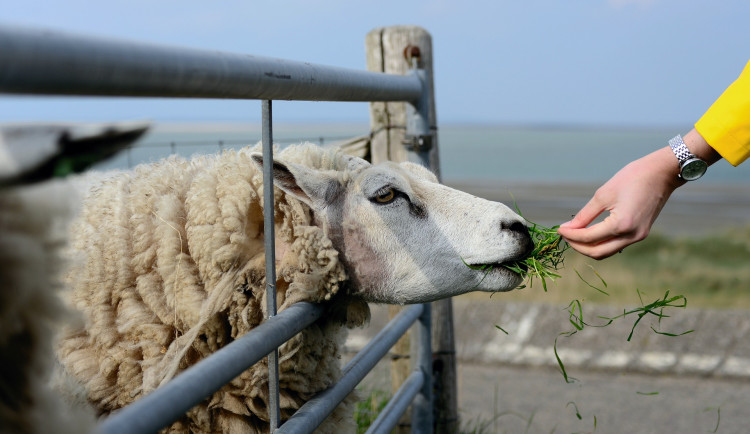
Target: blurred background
{"x":543,"y":101}
{"x":625,"y":63}
{"x":538,"y":103}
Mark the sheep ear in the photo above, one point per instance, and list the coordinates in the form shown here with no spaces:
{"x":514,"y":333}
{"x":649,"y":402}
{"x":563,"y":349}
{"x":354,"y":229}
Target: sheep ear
{"x":315,"y":188}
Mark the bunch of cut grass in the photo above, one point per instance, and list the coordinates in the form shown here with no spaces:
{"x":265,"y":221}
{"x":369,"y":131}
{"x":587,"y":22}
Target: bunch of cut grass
{"x":545,"y":260}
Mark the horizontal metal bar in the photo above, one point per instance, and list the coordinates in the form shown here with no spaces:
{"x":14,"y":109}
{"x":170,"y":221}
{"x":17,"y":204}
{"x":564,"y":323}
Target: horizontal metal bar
{"x":314,"y":411}
{"x":170,"y":402}
{"x":391,"y":413}
{"x":47,"y":62}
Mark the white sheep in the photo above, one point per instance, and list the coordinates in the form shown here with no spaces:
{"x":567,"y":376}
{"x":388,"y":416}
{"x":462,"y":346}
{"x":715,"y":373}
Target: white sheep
{"x":35,"y":212}
{"x":33,"y":232}
{"x":169,"y":267}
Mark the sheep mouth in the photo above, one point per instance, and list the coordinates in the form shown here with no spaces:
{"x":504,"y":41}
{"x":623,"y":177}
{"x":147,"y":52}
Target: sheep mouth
{"x":509,"y":266}
{"x":516,"y":264}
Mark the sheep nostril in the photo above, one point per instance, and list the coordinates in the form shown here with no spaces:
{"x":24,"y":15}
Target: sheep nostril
{"x":519,"y":228}
{"x":516,"y":227}
{"x":521,"y":233}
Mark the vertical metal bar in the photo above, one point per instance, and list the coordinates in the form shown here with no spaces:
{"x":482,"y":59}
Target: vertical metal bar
{"x":419,"y":141}
{"x":419,"y":135}
{"x":421,"y":414}
{"x":270,"y":245}
{"x":314,"y":411}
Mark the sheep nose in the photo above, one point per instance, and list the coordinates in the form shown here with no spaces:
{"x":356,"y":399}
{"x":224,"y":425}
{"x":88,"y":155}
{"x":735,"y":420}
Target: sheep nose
{"x":515,"y":227}
{"x":520,"y":232}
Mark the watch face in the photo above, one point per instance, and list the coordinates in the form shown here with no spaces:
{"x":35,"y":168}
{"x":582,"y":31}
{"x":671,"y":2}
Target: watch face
{"x":693,"y":169}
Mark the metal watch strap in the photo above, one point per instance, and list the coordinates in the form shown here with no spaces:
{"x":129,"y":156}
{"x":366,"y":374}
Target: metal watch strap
{"x":691,"y":167}
{"x":679,"y":148}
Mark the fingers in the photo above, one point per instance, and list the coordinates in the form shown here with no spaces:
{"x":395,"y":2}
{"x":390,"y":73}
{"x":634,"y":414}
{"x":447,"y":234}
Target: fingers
{"x":602,"y":250}
{"x":595,"y":234}
{"x":585,"y":216}
{"x":594,"y":241}
{"x":634,"y":196}
{"x":603,"y":239}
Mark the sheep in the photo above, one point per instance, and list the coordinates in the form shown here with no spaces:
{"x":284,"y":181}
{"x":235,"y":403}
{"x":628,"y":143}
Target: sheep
{"x":168,"y":267}
{"x":35,"y":211}
{"x":33,"y":232}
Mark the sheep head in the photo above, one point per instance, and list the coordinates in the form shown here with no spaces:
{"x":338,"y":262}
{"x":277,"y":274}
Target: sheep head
{"x":405,"y":238}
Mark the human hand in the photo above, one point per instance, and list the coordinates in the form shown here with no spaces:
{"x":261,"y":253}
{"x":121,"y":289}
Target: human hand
{"x":634,"y":198}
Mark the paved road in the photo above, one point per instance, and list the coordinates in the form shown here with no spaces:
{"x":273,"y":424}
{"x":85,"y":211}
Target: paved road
{"x":524,"y":399}
{"x":702,"y":378}
{"x":515,"y":396}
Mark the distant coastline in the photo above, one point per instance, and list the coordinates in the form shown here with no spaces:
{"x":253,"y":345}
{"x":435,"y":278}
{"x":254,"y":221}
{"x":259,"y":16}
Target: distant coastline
{"x":694,"y":211}
{"x":550,"y":172}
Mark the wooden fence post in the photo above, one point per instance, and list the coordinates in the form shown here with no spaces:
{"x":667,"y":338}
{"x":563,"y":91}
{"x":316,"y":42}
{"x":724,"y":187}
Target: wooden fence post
{"x":387,"y":52}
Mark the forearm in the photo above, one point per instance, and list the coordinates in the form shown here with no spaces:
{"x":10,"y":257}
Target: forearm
{"x":633,"y":198}
{"x":636,"y":194}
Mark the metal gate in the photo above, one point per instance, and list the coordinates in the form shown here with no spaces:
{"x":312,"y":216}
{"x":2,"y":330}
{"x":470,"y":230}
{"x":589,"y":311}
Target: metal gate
{"x":50,"y":63}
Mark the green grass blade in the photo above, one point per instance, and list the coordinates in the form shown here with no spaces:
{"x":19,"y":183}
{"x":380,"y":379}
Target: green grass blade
{"x":501,"y":329}
{"x":592,"y":286}
{"x":578,"y":413}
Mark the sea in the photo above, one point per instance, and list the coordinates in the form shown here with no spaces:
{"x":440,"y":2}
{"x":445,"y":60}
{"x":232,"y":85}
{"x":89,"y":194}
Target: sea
{"x":549,"y":172}
{"x":468,"y":153}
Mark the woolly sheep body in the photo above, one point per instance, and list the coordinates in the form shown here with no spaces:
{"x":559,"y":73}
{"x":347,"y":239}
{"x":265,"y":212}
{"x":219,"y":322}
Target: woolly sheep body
{"x":168,"y":266}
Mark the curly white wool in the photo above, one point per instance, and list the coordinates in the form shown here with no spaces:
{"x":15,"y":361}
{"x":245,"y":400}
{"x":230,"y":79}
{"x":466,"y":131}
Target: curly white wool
{"x":169,"y":267}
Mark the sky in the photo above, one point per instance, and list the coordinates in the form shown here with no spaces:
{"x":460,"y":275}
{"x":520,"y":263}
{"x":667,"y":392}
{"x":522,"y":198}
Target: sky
{"x":631,"y":63}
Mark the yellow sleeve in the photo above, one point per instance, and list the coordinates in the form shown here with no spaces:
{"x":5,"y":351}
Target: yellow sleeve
{"x":726,"y":124}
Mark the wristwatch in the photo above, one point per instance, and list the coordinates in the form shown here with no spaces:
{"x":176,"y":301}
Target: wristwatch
{"x":691,"y":167}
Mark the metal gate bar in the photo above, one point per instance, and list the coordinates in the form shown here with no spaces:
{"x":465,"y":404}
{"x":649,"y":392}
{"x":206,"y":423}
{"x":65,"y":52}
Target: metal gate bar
{"x":417,"y":389}
{"x":57,"y":63}
{"x":422,"y":408}
{"x":314,"y":411}
{"x":172,"y":400}
{"x":391,"y":413}
{"x":269,"y":235}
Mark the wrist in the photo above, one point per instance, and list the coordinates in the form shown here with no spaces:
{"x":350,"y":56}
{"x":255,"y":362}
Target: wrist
{"x":664,"y":165}
{"x":691,"y":166}
{"x":693,"y":154}
{"x":699,"y":147}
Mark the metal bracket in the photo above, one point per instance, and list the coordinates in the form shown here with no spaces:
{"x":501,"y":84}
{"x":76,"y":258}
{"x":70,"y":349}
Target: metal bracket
{"x":419,"y":136}
{"x":418,"y":143}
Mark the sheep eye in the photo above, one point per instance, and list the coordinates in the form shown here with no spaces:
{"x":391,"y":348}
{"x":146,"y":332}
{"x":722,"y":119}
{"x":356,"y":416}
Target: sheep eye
{"x":386,"y":197}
